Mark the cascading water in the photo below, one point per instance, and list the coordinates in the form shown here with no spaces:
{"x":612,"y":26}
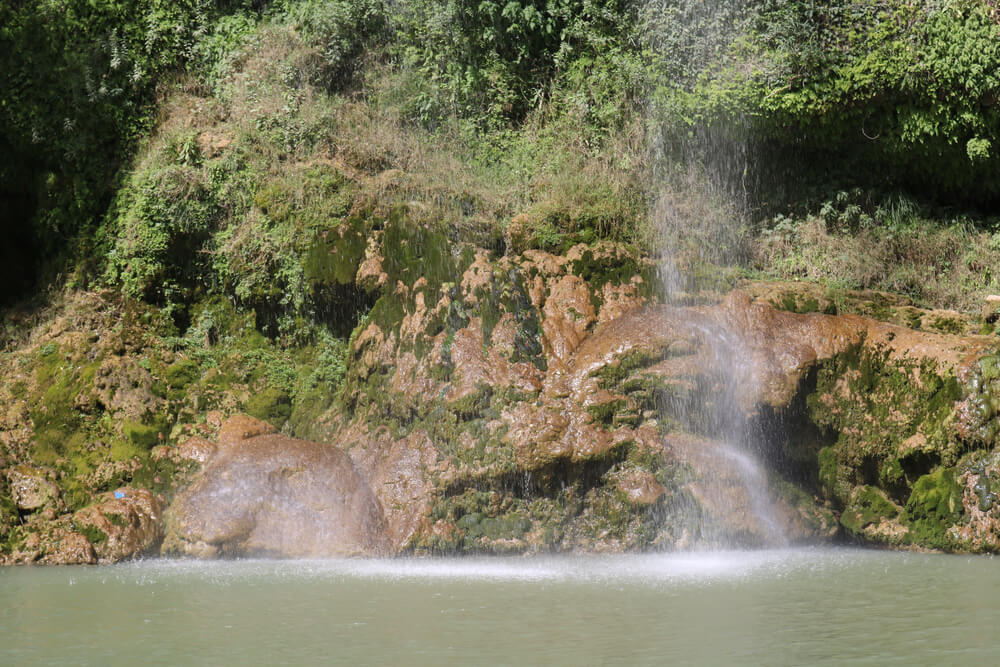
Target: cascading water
{"x":700,"y":212}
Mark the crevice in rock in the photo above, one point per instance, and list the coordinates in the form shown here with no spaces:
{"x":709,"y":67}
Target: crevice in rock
{"x":787,"y":441}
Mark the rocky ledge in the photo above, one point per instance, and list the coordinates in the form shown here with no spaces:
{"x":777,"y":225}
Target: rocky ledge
{"x":526,"y":403}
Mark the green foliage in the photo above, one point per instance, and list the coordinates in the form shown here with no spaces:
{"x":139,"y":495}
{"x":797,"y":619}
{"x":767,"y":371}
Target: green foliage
{"x":271,"y":405}
{"x":166,"y":215}
{"x":496,"y":60}
{"x":934,"y":505}
{"x":341,"y":30}
{"x":892,"y":93}
{"x":76,"y":82}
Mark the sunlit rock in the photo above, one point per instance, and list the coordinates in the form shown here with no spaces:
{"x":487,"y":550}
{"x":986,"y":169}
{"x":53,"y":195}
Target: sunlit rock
{"x":266,"y":494}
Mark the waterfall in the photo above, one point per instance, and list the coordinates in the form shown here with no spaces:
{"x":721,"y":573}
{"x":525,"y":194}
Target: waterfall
{"x":700,"y":212}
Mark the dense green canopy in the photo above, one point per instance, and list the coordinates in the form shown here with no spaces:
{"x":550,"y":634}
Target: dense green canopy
{"x":881,"y":94}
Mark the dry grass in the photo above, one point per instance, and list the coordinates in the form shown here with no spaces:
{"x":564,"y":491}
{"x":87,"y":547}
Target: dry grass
{"x":939,"y":266}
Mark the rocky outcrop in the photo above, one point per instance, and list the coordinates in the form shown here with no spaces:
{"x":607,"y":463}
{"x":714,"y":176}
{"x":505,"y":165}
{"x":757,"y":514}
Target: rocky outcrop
{"x":122,"y":524}
{"x":508,"y":403}
{"x":555,"y":405}
{"x":265,"y":494}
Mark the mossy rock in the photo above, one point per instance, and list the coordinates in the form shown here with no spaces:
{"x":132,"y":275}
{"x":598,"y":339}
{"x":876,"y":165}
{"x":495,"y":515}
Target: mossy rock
{"x":182,"y":373}
{"x":142,"y":435}
{"x":334,"y":255}
{"x":271,"y":405}
{"x":935,"y":504}
{"x":869,"y":506}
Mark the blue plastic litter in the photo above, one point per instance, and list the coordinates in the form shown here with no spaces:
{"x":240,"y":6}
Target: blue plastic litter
{"x":119,"y":494}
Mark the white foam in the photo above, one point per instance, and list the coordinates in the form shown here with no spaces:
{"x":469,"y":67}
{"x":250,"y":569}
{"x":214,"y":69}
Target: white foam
{"x":645,"y":569}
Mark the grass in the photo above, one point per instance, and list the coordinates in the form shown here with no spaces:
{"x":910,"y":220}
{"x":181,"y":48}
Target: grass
{"x":951,"y":266}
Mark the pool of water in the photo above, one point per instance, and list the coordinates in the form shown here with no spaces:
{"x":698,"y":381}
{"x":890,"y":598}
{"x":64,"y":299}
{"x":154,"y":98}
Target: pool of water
{"x":787,"y":607}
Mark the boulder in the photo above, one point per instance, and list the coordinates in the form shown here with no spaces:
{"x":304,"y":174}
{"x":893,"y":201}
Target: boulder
{"x":266,"y":494}
{"x":126,"y":523}
{"x":30,"y":488}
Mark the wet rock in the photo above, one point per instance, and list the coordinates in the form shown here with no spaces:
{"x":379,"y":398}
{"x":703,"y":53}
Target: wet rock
{"x":68,"y":547}
{"x":641,"y":487}
{"x":124,"y":524}
{"x":267,"y":494}
{"x":30,"y":488}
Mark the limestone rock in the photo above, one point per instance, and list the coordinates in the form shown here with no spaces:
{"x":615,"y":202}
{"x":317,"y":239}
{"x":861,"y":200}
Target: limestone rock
{"x":68,"y":547}
{"x":127,"y":523}
{"x":270,"y":495}
{"x":30,"y":488}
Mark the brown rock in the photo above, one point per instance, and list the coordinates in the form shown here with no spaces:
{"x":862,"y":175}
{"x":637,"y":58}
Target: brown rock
{"x":268,"y":494}
{"x":70,"y":548}
{"x":30,"y":488}
{"x":641,"y":487}
{"x":129,"y":518}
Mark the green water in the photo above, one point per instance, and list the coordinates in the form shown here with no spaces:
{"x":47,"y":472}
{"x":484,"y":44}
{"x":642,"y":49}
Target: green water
{"x":793,"y":607}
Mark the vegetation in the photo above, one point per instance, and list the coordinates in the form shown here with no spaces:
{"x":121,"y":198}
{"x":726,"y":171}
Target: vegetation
{"x":220,"y":171}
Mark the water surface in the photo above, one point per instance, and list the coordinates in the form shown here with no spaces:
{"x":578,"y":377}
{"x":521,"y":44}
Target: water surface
{"x":788,"y":607}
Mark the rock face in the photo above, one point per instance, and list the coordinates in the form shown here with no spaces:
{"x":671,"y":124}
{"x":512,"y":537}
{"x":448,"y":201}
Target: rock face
{"x":264,"y":494}
{"x":126,"y":523}
{"x":30,"y":489}
{"x":521,"y":403}
{"x":548,"y":402}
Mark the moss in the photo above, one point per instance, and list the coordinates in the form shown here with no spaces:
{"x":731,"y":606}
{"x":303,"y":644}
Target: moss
{"x":334,"y":255}
{"x":891,"y":473}
{"x":473,"y":405}
{"x":271,"y":405}
{"x":869,"y":506}
{"x":934,"y":505}
{"x":57,"y":413}
{"x":791,"y":303}
{"x":827,"y":459}
{"x":948,"y":325}
{"x":93,"y":534}
{"x":412,"y":251}
{"x":611,"y":376}
{"x":883,"y":405}
{"x":181,"y":374}
{"x":507,"y":293}
{"x":141,"y":435}
{"x":605,"y":413}
{"x":615,"y":268}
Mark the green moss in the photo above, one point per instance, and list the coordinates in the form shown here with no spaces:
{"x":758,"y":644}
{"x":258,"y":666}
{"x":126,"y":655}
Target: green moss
{"x":334,"y":255}
{"x":507,"y":293}
{"x":891,"y":473}
{"x":271,"y":405}
{"x":182,"y":373}
{"x":57,"y":415}
{"x":827,"y":459}
{"x":605,"y":413}
{"x":615,"y":268}
{"x":412,"y":251}
{"x":792,"y":304}
{"x":612,"y":375}
{"x":947,"y":325}
{"x":473,"y":405}
{"x":93,"y":534}
{"x":869,"y":506}
{"x":934,"y":505}
{"x":140,"y":435}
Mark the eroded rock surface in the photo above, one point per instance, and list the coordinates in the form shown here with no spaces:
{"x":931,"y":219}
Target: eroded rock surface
{"x":262,"y":493}
{"x":519,"y":403}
